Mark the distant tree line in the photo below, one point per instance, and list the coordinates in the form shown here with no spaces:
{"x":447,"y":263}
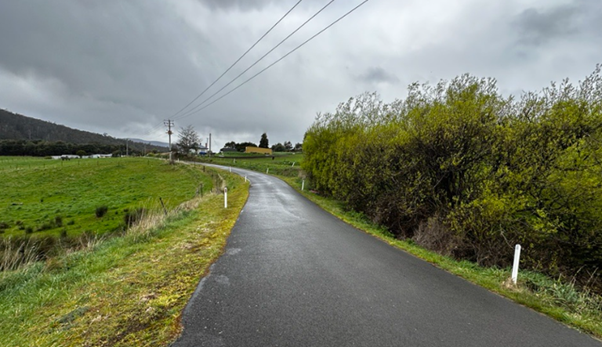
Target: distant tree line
{"x":287,"y":147}
{"x":41,"y":148}
{"x":463,"y":170}
{"x":264,"y":143}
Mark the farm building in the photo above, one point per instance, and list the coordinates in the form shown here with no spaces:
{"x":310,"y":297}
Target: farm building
{"x":259,"y":150}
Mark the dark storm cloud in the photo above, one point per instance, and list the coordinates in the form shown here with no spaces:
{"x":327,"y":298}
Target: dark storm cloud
{"x":378,"y":75}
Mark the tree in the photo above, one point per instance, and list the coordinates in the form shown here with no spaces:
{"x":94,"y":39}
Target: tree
{"x":278,"y":147}
{"x":288,"y":146}
{"x":80,"y":153}
{"x":188,"y":140}
{"x":263,"y":142}
{"x":298,"y":147}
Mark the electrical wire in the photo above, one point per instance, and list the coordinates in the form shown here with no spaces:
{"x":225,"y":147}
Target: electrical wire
{"x":256,"y":62}
{"x":189,"y":113}
{"x":231,"y":66}
{"x":237,"y":60}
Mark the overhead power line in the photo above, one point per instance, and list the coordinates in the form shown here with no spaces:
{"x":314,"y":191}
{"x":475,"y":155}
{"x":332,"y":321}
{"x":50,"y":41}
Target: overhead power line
{"x":257,"y":61}
{"x":274,"y":63}
{"x":233,"y":64}
{"x":237,"y":60}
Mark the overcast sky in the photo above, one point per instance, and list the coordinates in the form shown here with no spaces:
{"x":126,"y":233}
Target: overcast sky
{"x":122,"y":67}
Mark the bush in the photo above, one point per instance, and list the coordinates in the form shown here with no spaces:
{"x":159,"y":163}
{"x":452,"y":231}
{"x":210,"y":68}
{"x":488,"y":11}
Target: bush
{"x":101,"y":211}
{"x":58,"y":221}
{"x":467,"y":172}
{"x":132,"y":217}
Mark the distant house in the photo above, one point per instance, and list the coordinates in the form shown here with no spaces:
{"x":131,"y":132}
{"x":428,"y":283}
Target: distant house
{"x":200,"y":151}
{"x":258,"y":150}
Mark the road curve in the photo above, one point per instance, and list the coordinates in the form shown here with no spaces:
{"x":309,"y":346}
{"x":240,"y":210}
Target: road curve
{"x":294,"y":275}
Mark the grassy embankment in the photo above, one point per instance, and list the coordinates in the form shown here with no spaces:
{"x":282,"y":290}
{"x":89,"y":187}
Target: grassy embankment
{"x":555,"y":297}
{"x":128,"y":289}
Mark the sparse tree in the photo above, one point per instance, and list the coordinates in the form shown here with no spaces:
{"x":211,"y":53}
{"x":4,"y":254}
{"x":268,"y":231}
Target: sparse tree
{"x":263,"y":142}
{"x":230,"y":144}
{"x":188,"y":140}
{"x":278,"y":147}
{"x":298,"y":147}
{"x":288,"y":146}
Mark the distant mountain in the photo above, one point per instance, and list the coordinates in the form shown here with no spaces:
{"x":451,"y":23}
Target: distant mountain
{"x":18,"y":127}
{"x":154,"y":143}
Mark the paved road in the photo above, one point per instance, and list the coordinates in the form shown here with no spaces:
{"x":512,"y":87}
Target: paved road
{"x":293,"y":275}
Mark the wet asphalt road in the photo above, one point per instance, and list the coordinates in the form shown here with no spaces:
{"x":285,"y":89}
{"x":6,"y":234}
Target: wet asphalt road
{"x":293,"y":275}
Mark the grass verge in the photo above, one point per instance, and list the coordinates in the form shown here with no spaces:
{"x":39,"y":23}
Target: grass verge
{"x":122,"y":291}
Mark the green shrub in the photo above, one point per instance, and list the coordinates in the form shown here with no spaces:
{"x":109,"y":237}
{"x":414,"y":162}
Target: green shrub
{"x":461,"y":169}
{"x":101,"y":211}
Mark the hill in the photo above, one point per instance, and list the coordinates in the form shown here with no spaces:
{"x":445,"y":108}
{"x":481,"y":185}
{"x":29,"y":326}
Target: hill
{"x":14,"y":126}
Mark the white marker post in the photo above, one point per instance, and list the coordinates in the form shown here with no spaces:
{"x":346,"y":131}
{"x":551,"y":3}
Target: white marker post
{"x":515,"y":265}
{"x":293,"y":164}
{"x":267,"y":170}
{"x":245,"y":179}
{"x":230,"y":169}
{"x":302,"y":184}
{"x":225,"y":197}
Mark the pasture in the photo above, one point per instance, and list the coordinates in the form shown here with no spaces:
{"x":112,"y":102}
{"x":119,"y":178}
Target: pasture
{"x":55,"y":197}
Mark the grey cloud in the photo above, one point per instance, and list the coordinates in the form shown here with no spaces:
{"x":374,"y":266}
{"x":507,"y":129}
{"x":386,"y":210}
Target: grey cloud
{"x":124,"y":67}
{"x":244,"y":5}
{"x":378,"y":75}
{"x":537,"y":26}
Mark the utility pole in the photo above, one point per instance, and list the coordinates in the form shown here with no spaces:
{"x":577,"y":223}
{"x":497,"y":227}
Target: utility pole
{"x":169,"y":123}
{"x":210,"y":143}
{"x":126,"y":147}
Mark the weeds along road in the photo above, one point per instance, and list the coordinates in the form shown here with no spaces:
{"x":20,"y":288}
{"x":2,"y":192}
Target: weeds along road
{"x":293,"y":275}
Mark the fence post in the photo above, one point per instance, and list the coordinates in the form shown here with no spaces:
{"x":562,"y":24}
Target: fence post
{"x":162,"y":204}
{"x":515,"y":265}
{"x":267,"y":170}
{"x":226,"y":197}
{"x":302,"y":184}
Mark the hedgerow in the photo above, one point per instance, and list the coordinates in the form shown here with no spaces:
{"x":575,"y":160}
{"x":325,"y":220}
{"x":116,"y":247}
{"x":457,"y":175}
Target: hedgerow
{"x":465,"y":171}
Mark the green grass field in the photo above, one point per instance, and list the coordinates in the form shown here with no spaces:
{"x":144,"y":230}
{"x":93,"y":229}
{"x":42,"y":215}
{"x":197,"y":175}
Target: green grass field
{"x":283,"y":164}
{"x":124,"y":290}
{"x":54,"y":197}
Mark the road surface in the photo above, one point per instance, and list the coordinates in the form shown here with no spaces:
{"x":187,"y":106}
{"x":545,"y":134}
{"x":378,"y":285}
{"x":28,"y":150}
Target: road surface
{"x":293,"y":275}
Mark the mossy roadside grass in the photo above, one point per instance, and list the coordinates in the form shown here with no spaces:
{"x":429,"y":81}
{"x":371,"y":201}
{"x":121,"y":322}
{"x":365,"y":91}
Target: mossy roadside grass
{"x":557,"y":298}
{"x":37,"y":192}
{"x":123,"y":291}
